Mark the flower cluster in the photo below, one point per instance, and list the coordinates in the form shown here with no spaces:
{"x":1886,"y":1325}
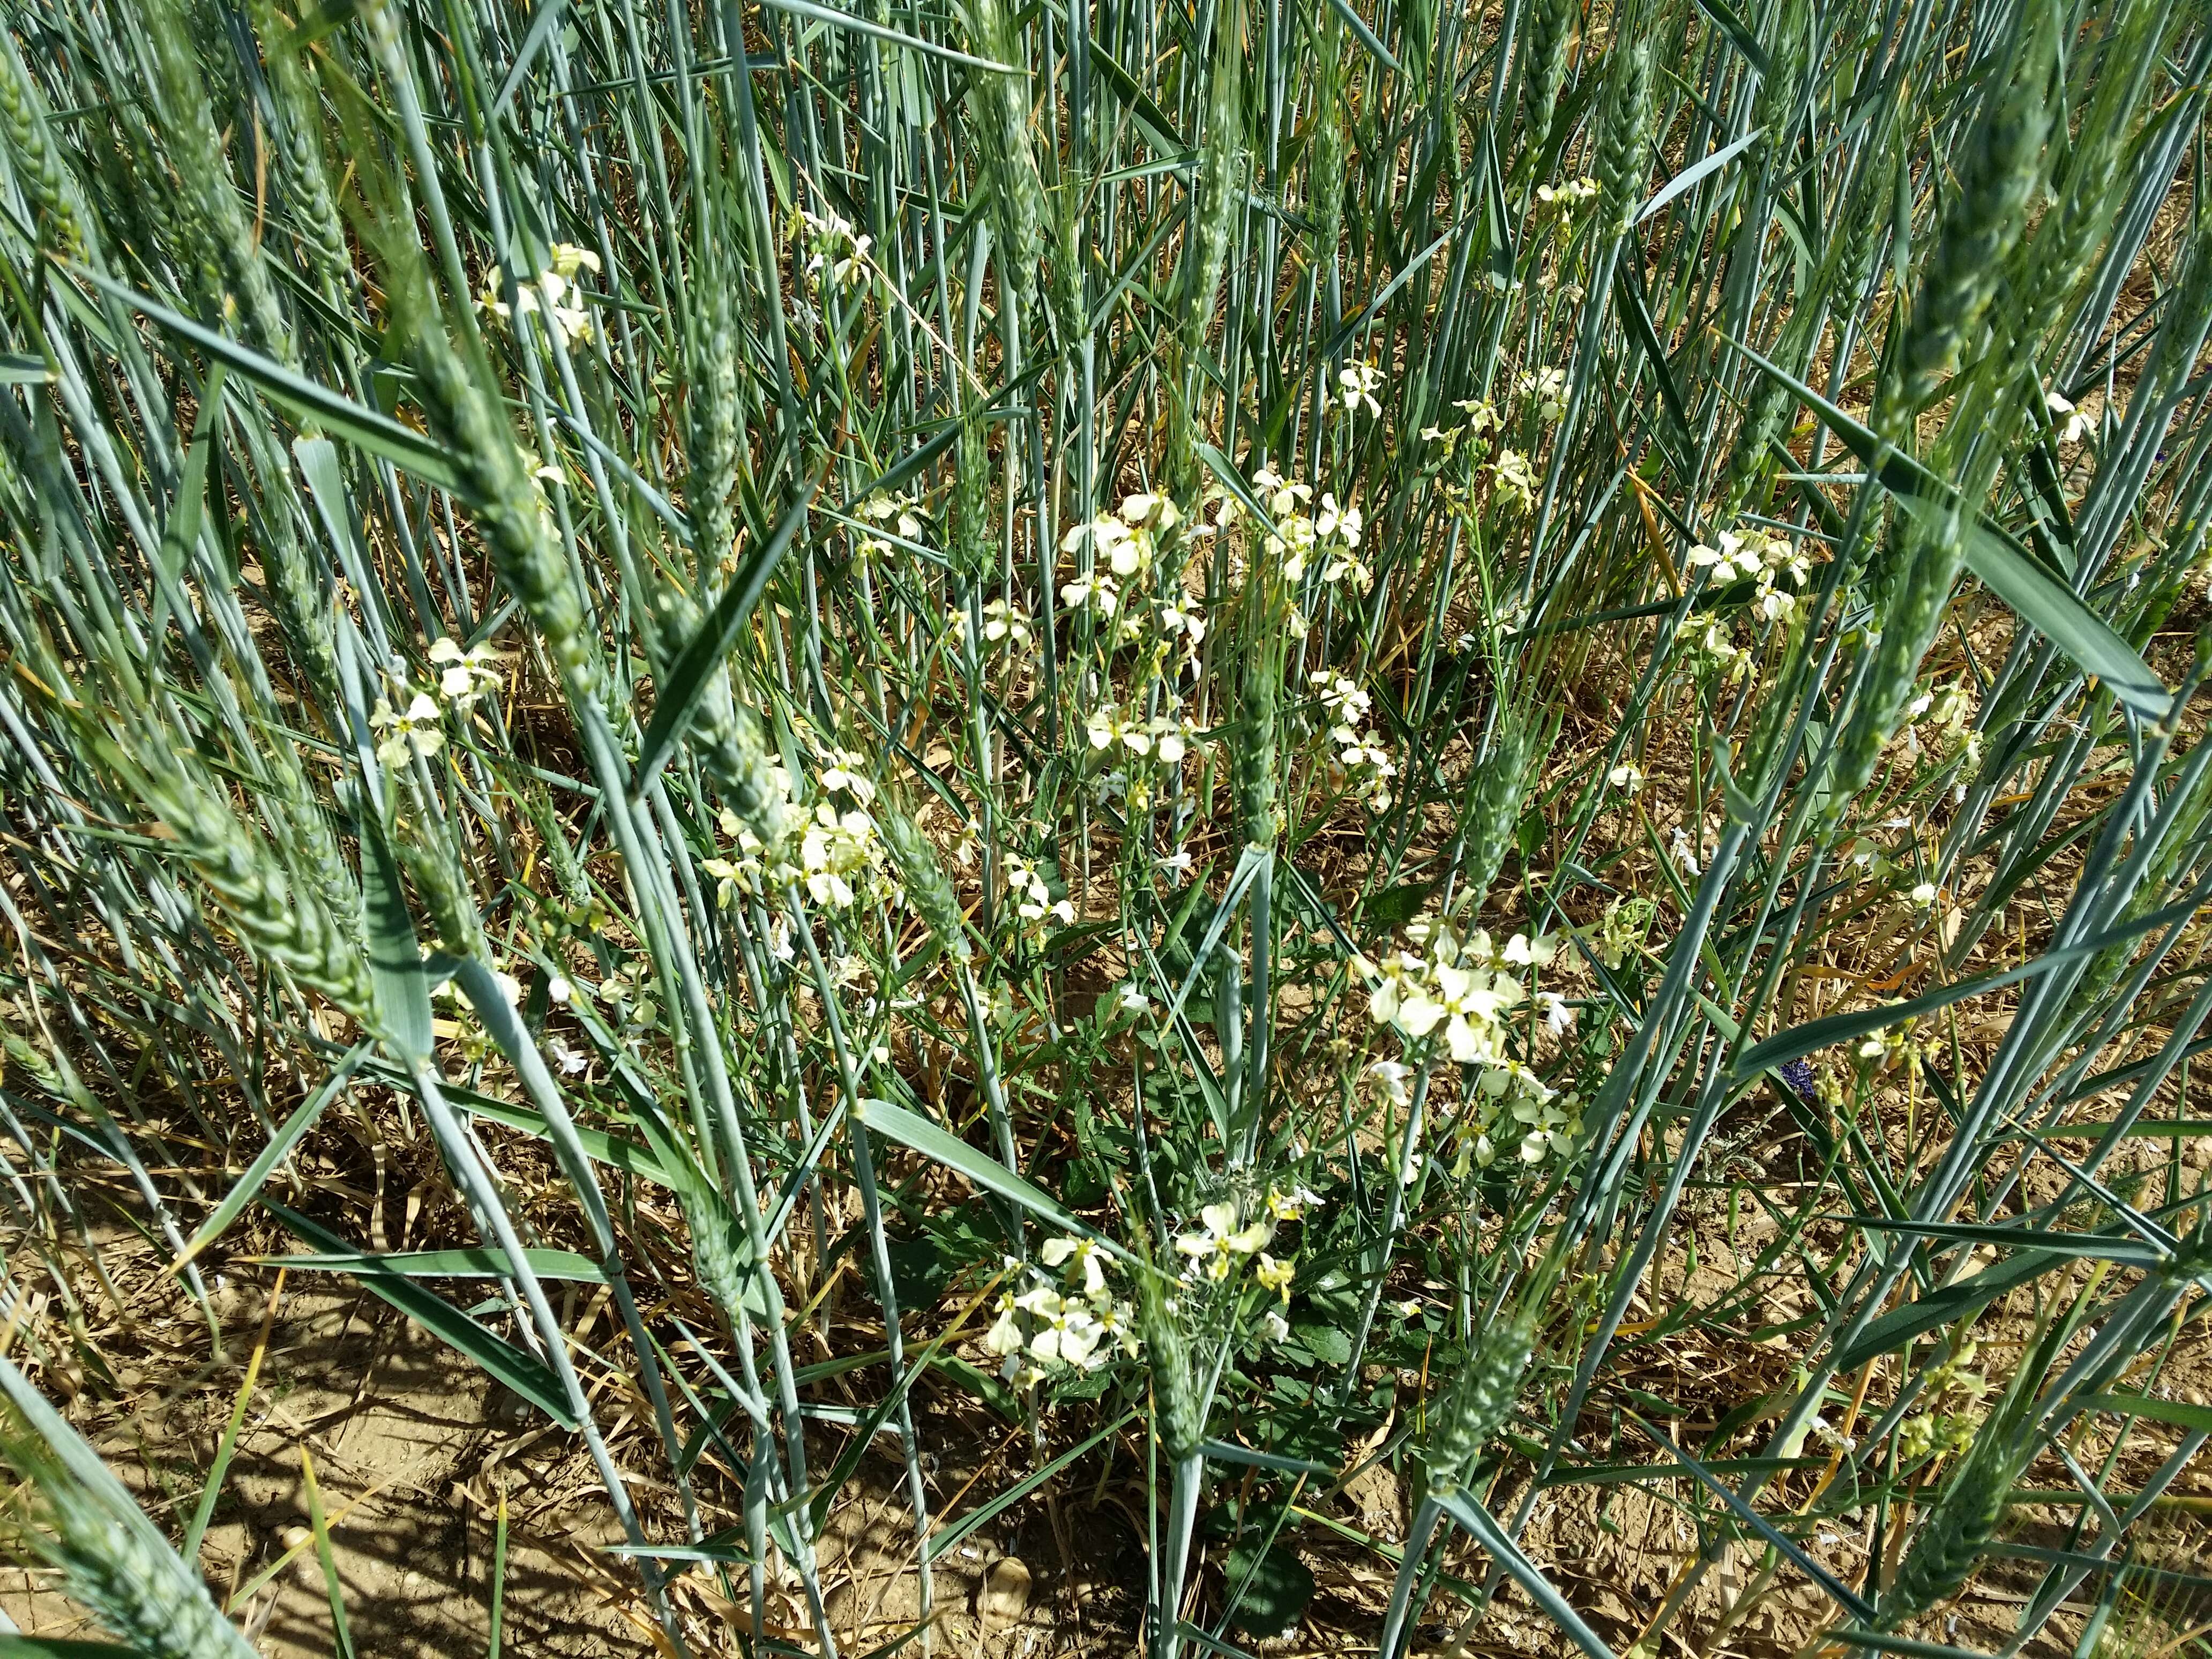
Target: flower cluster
{"x":840,"y":853}
{"x":1622,"y":929}
{"x":900,"y":512}
{"x":1950,"y":715}
{"x":1072,"y":1322}
{"x":1480,"y":420}
{"x":465,"y":676}
{"x":1466,"y":987}
{"x":837,"y":855}
{"x":1898,"y":1048}
{"x":1326,"y":539}
{"x":465,"y":1027}
{"x":1169,"y":735}
{"x":1511,"y":1105}
{"x":1765,"y":559}
{"x":409,"y":721}
{"x":1954,"y":1396}
{"x":1546,"y":388}
{"x":552,"y":294}
{"x":836,"y":250}
{"x":1512,"y":481}
{"x":417,"y":729}
{"x":1224,"y":1239}
{"x":1363,"y":763}
{"x":1034,"y":904}
{"x":1567,"y":197}
{"x":1126,"y":542}
{"x":1356,"y":384}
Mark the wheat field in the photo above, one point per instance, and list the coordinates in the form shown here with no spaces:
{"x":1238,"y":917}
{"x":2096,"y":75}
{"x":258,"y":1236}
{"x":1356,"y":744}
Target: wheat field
{"x":1282,"y":827}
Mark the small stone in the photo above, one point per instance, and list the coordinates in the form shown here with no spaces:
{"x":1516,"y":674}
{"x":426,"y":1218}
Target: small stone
{"x":1004,"y":1594}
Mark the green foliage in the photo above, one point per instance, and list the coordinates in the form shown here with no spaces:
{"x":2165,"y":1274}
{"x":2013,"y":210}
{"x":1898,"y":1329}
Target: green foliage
{"x":1274,"y":734}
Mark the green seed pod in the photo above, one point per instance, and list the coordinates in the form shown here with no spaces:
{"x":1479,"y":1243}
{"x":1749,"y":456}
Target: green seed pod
{"x":469,"y":423}
{"x":710,"y":408}
{"x":52,"y":193}
{"x":1926,"y":564}
{"x":1622,"y":165}
{"x":278,"y":918}
{"x":426,"y":852}
{"x":301,"y":175}
{"x":301,"y":594}
{"x":971,"y":524}
{"x":1258,"y":740}
{"x":1180,"y":1425}
{"x":1067,"y":262}
{"x":1955,"y":1533}
{"x":213,"y":219}
{"x":928,"y":887}
{"x":1547,"y":26}
{"x":2003,"y":170}
{"x":1325,"y":156}
{"x":715,"y":1256}
{"x":1493,"y":814}
{"x":1480,"y":1400}
{"x":139,"y":1591}
{"x":308,"y":843}
{"x":1220,"y":174}
{"x":1000,"y":106}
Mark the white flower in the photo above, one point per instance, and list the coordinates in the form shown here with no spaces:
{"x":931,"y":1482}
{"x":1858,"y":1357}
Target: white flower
{"x":1005,"y":1337}
{"x":1342,"y":523}
{"x":1005,"y":621}
{"x":1223,"y":1239}
{"x":1357,"y":383}
{"x":1559,"y":1016}
{"x":836,"y":250}
{"x":1098,"y":591}
{"x":834,"y":851}
{"x":1685,"y":851}
{"x":1734,"y":559}
{"x":1924,"y":895}
{"x":1548,"y":386}
{"x":1280,"y":496}
{"x":416,"y":732}
{"x":1340,"y":696}
{"x":464,"y":675}
{"x":1090,"y":1261}
{"x":1151,"y":511}
{"x":1390,"y":1078}
{"x":1289,"y":1206}
{"x":570,"y":1061}
{"x":549,"y":293}
{"x":2073,"y":425}
{"x":560,"y":990}
{"x":1178,"y":617}
{"x":1627,"y":779}
{"x":843,"y":773}
{"x":1274,"y":1326}
{"x":1513,"y":482}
